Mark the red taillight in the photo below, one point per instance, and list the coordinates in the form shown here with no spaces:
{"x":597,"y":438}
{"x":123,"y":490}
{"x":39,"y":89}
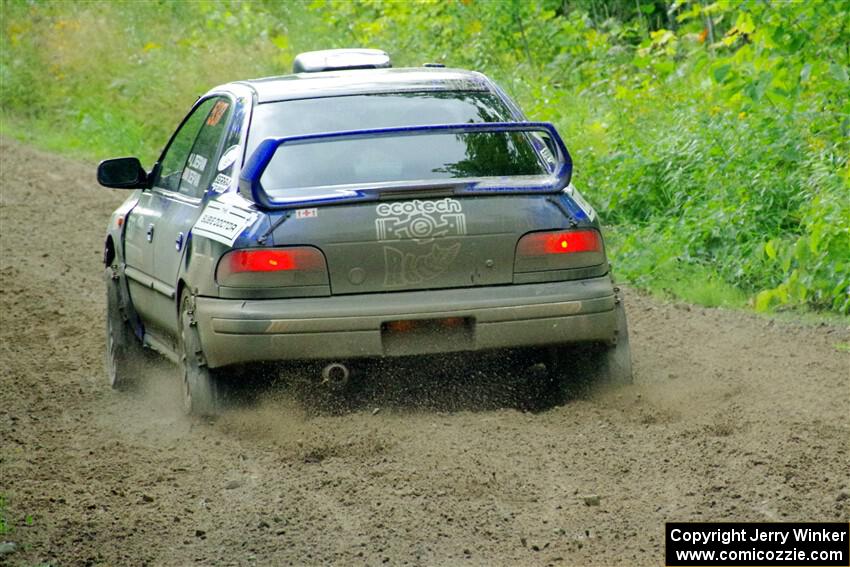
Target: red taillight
{"x":273,"y":260}
{"x":273,"y":267}
{"x":564,"y":242}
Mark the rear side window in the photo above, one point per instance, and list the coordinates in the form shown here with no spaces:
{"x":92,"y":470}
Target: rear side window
{"x":424,"y":157}
{"x":201,"y":166}
{"x":187,"y":165}
{"x":177,"y":154}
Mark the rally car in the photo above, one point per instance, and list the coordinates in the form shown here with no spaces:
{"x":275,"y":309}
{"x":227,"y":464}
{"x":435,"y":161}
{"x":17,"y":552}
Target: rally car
{"x":349,"y":211}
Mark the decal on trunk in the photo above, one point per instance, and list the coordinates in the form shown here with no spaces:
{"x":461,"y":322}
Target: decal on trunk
{"x":306,"y":213}
{"x":580,"y":201}
{"x":405,"y":268}
{"x":421,"y":221}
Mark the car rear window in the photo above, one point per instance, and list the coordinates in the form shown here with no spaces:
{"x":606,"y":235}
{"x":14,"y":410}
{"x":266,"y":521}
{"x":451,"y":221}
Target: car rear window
{"x":296,"y":169}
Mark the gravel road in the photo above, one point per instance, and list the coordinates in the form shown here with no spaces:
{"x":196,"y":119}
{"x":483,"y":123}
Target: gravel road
{"x":732,"y":417}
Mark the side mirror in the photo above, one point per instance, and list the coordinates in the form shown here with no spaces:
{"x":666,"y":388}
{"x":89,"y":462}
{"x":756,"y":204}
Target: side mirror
{"x":122,"y":173}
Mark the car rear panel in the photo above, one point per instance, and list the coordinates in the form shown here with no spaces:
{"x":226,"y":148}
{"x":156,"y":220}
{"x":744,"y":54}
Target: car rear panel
{"x":420,"y":243}
{"x":406,"y":323}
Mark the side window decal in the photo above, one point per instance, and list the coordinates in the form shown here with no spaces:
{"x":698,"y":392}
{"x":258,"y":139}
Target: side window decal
{"x":217,"y":112}
{"x":200,"y":171}
{"x":174,"y":160}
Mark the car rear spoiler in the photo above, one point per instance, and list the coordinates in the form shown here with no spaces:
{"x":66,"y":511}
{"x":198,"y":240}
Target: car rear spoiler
{"x":249,"y":180}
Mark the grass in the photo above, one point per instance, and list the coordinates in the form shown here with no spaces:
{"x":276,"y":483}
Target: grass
{"x":700,"y":286}
{"x":5,"y":528}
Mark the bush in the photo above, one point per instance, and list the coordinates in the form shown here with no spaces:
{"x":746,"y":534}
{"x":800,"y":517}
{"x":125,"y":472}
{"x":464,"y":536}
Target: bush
{"x":713,"y":138}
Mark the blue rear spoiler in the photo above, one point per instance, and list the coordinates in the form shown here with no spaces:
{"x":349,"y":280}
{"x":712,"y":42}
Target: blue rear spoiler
{"x":249,"y":180}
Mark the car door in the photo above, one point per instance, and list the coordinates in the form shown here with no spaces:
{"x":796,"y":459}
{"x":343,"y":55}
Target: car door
{"x":175,"y":201}
{"x":138,"y":253}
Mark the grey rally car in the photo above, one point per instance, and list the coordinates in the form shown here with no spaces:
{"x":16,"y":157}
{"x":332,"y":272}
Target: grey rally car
{"x":351,"y":211}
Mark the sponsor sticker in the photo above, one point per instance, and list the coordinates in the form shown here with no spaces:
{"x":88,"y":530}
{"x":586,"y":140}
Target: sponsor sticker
{"x":472,"y":84}
{"x":543,"y":148}
{"x":306,"y":213}
{"x":421,"y":221}
{"x":579,"y":199}
{"x":191,"y":177}
{"x":217,"y":112}
{"x":223,"y":223}
{"x":221,"y":183}
{"x":228,"y":157}
{"x":547,"y":155}
{"x":197,"y":161}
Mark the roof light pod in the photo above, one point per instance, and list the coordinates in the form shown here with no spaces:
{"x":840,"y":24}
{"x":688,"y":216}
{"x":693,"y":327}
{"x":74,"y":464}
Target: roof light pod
{"x":339,"y":59}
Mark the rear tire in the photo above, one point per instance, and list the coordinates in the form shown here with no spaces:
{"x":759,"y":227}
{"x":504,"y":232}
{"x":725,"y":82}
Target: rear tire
{"x":574,"y":366}
{"x":124,"y":353}
{"x":201,"y":388}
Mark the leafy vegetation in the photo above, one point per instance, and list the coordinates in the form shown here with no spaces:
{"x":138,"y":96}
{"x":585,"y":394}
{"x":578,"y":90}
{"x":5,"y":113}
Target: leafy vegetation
{"x":5,"y":528}
{"x":713,"y":137}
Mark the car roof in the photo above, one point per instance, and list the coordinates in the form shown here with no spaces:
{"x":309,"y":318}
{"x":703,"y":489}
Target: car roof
{"x":363,"y":81}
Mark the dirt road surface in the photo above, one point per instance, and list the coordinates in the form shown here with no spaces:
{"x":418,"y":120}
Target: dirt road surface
{"x":731,"y":417}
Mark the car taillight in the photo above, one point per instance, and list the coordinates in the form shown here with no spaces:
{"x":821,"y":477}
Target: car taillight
{"x":274,"y":260}
{"x":543,"y":243}
{"x":559,"y":250}
{"x":269,"y":267}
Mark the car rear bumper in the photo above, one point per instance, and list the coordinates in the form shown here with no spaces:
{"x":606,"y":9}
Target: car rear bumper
{"x":480,"y":318}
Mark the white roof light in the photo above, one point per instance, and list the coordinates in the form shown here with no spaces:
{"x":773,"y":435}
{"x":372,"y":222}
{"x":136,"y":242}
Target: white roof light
{"x":336,"y":59}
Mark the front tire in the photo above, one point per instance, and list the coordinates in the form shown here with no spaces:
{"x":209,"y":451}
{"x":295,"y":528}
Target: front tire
{"x":201,"y":388}
{"x":124,"y":352}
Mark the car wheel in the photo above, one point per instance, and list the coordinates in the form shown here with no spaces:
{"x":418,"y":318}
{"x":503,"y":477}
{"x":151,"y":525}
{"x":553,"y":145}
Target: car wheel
{"x":124,"y":352}
{"x":580,"y":365}
{"x":200,"y":382}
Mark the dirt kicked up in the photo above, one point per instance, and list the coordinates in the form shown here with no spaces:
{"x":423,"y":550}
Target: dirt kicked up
{"x":732,"y":417}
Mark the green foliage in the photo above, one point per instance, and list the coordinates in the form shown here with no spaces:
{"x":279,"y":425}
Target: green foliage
{"x":713,"y":137}
{"x":5,"y":528}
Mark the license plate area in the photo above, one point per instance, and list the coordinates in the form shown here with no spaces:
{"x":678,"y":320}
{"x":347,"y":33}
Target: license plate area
{"x":421,"y":336}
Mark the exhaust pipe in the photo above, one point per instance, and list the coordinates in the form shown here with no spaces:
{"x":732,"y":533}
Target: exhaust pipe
{"x":336,"y":375}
